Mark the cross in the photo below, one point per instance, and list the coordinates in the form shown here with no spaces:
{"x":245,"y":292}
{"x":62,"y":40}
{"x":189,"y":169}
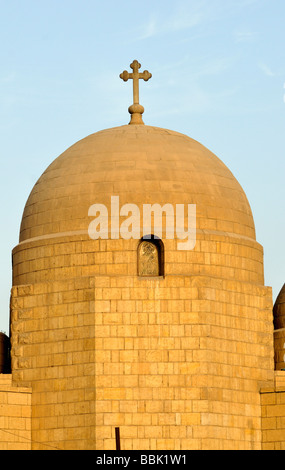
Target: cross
{"x":135,"y":76}
{"x":136,"y":110}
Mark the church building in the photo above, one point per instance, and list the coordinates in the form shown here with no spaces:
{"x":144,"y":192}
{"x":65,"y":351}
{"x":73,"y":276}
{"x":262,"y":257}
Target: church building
{"x":131,"y":341}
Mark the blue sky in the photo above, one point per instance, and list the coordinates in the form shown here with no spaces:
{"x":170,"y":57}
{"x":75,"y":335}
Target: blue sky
{"x":218,"y":71}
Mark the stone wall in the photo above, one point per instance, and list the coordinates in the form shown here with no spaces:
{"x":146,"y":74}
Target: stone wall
{"x":273,"y":414}
{"x":15,"y":416}
{"x":53,"y":352}
{"x":180,"y":361}
{"x":175,"y":362}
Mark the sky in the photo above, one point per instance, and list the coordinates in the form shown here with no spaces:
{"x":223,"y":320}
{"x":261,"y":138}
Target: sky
{"x":218,"y":75}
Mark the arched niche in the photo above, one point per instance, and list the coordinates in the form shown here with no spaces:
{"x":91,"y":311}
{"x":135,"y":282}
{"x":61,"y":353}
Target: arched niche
{"x":150,"y":257}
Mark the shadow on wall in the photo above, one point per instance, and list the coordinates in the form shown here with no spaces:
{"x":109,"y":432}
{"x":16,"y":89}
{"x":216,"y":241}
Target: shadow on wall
{"x":5,"y":356}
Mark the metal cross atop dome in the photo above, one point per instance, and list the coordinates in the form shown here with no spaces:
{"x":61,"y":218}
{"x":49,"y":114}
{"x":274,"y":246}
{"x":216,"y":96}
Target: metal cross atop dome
{"x":136,"y":110}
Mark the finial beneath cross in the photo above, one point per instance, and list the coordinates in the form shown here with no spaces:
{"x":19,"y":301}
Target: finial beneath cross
{"x":136,"y":110}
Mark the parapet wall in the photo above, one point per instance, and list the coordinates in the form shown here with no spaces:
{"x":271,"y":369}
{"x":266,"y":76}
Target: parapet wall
{"x":15,"y":415}
{"x":273,"y":414}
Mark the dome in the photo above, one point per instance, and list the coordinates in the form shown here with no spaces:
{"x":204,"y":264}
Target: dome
{"x":279,"y":310}
{"x":140,"y":164}
{"x":104,"y":324}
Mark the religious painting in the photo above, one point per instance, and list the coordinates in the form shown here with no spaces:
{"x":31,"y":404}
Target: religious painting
{"x":150,"y":258}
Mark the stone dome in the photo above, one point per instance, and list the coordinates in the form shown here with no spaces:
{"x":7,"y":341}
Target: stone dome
{"x":140,"y":164}
{"x":279,"y":310}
